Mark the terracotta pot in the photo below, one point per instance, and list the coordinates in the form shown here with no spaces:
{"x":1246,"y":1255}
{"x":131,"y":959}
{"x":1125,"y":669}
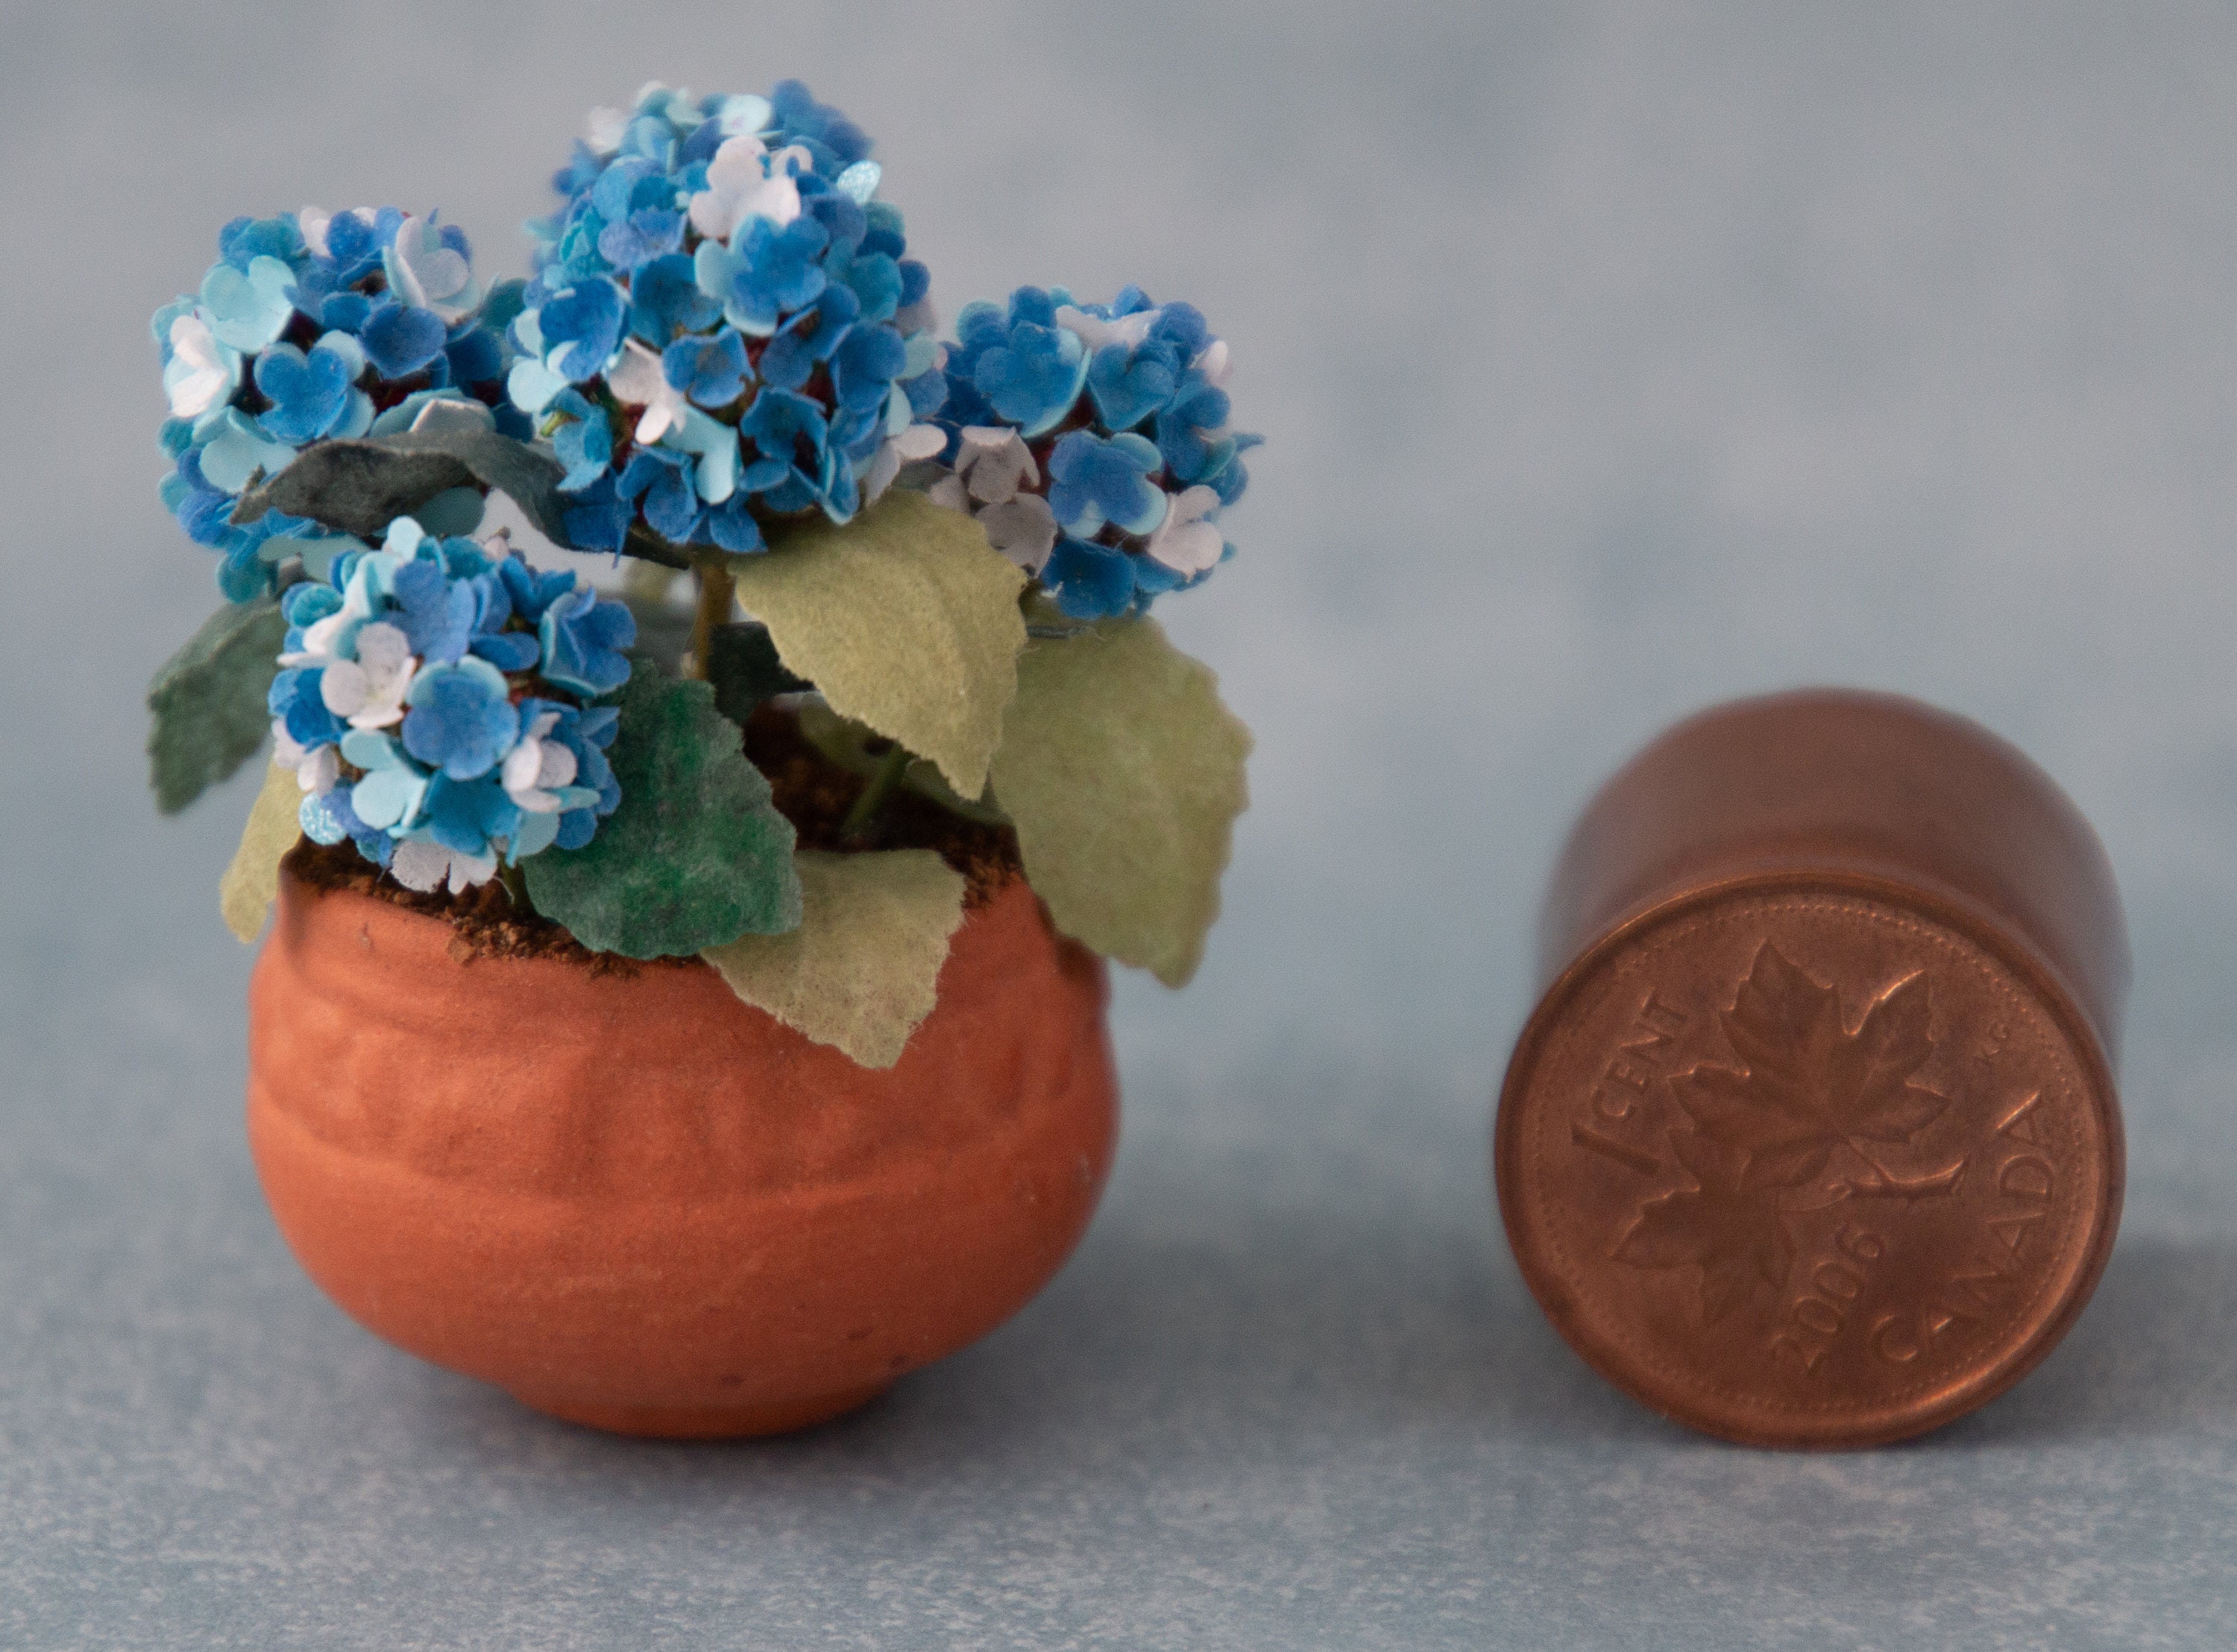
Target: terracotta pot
{"x":636,"y":1203}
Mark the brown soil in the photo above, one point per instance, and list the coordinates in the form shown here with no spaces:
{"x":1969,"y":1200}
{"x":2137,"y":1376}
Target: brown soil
{"x":814,"y":794}
{"x":811,"y":792}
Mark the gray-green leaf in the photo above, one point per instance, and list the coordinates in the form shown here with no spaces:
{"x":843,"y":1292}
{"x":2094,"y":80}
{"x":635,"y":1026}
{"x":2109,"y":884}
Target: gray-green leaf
{"x":359,"y":487}
{"x":207,"y":702}
{"x":696,"y":856}
{"x":1124,"y":774}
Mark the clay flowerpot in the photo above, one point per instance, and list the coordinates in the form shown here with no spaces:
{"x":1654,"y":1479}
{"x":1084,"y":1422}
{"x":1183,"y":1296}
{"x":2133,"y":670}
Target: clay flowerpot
{"x":636,"y":1203}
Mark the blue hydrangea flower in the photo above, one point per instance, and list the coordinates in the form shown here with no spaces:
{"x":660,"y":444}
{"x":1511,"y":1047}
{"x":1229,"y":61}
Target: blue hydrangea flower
{"x":665,"y":301}
{"x":579,"y":328}
{"x":307,"y":324}
{"x":583,"y":635}
{"x":1095,"y":479}
{"x":582,"y":436}
{"x":1027,"y":370}
{"x":312,"y":394}
{"x":1109,"y":498}
{"x":1090,"y":582}
{"x":743,"y":240}
{"x":768,"y":273}
{"x":415,"y":704}
{"x":710,"y":369}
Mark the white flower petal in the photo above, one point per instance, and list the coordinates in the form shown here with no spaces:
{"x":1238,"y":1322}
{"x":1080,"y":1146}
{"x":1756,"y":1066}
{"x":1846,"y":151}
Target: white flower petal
{"x":603,"y":130}
{"x":1212,"y":361}
{"x":739,"y":168}
{"x":921,"y":442}
{"x":313,"y":221}
{"x":466,"y":870}
{"x":420,"y":866}
{"x":1184,"y":542}
{"x":344,"y":687}
{"x":557,"y":767}
{"x":1023,"y":529}
{"x":948,"y":492}
{"x":638,"y":380}
{"x":320,"y":771}
{"x":202,"y":373}
{"x":518,"y":773}
{"x":1095,"y":332}
{"x":995,"y":463}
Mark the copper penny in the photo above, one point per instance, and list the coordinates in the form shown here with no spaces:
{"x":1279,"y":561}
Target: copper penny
{"x":1813,"y":1147}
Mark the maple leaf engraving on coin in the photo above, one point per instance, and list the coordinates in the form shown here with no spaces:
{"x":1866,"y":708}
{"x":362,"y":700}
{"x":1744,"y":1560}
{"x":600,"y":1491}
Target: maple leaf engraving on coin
{"x":1811,"y":1101}
{"x":1734,"y":1237}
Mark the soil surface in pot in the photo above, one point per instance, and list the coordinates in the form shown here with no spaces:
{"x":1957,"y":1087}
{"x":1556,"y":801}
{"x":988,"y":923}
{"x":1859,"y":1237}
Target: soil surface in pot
{"x":811,"y":791}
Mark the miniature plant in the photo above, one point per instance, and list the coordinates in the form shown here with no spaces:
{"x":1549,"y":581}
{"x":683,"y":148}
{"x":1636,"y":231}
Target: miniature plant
{"x":722,"y":363}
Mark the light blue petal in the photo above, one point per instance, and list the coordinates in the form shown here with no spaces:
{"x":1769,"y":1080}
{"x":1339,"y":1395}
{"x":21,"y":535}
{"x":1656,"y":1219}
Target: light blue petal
{"x":390,"y":799}
{"x":535,"y":834}
{"x":453,"y":513}
{"x":249,"y":312}
{"x":239,"y":451}
{"x":532,"y":384}
{"x":371,"y":748}
{"x":1140,"y":448}
{"x":716,"y":444}
{"x":357,"y":418}
{"x":860,"y":181}
{"x":347,"y":346}
{"x":319,"y":554}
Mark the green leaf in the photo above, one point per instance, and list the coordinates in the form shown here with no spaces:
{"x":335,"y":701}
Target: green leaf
{"x":207,"y":700}
{"x":742,"y":666}
{"x":252,"y":882}
{"x":862,"y":969}
{"x":849,"y":743}
{"x":1123,"y":774}
{"x":359,"y":487}
{"x":905,"y":619}
{"x":696,"y":856}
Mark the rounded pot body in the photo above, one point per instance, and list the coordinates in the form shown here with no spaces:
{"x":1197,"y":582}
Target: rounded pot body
{"x":633,"y":1200}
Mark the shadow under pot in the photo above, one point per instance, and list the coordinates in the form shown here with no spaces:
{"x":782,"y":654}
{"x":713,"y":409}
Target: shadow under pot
{"x":1812,"y":1140}
{"x":636,"y":1203}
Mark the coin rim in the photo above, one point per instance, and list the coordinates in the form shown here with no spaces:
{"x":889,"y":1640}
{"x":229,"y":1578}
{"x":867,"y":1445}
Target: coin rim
{"x":1951,"y":911}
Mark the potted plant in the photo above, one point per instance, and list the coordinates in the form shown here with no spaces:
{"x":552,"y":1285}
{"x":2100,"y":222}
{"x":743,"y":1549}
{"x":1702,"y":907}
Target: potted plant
{"x":689,"y":1015}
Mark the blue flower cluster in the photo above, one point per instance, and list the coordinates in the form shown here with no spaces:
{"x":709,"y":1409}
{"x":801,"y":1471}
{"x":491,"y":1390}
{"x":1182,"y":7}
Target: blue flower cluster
{"x":723,"y":327}
{"x":312,"y":325}
{"x":1092,"y":442}
{"x":430,"y":701}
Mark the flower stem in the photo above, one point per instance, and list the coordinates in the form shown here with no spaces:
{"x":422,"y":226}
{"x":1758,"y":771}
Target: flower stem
{"x":864,"y":814}
{"x":515,"y":879}
{"x":718,"y":594}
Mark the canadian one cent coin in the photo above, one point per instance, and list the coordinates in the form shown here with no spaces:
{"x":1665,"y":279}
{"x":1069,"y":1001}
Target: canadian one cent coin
{"x":1810,"y":1158}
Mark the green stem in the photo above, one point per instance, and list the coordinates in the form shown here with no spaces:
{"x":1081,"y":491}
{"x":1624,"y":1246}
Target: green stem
{"x":718,"y":594}
{"x":864,"y":814}
{"x":515,"y":879}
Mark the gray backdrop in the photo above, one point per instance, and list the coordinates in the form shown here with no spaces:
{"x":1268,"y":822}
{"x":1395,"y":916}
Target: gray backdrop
{"x":1613,"y":359}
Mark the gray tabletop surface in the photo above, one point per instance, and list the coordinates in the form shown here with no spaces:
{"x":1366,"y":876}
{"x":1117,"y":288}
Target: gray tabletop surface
{"x":1613,"y":359}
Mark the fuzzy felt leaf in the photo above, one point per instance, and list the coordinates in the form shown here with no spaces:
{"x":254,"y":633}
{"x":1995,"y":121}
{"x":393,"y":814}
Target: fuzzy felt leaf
{"x":207,"y":702}
{"x":1123,"y":774}
{"x":360,"y":486}
{"x":696,"y":854}
{"x":861,"y":750}
{"x":252,"y":882}
{"x":863,"y":968}
{"x":905,"y":619}
{"x":741,"y":663}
